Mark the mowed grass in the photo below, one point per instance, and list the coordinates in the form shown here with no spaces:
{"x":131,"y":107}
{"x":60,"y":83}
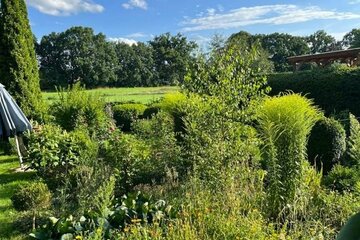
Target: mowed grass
{"x":9,"y":181}
{"x":138,"y":94}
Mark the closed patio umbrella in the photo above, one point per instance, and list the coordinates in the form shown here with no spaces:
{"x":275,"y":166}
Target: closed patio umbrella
{"x":12,"y":119}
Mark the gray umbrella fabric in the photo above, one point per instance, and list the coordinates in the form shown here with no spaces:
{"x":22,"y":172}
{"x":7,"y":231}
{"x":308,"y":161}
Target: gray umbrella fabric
{"x":13,"y":121}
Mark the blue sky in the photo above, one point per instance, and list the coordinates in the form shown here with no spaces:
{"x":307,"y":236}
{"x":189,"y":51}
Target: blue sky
{"x":140,"y":20}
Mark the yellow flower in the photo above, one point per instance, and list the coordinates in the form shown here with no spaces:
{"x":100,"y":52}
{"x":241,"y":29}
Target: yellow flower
{"x":78,"y":238}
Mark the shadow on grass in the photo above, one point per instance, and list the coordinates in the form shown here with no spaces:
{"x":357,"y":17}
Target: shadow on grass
{"x":16,"y":176}
{"x":9,"y":160}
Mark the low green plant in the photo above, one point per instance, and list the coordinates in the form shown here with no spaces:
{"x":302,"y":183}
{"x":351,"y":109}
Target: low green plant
{"x":343,"y":179}
{"x":126,"y":114}
{"x":132,"y":209}
{"x":327,"y":144}
{"x":33,"y":197}
{"x":285,"y":123}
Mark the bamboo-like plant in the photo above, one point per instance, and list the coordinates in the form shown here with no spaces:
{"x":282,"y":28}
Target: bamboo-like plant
{"x":285,"y":122}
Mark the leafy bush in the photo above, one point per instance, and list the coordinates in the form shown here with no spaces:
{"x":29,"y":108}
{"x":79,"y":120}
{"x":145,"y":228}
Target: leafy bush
{"x":164,"y":153}
{"x":327,"y":144}
{"x":75,"y":107}
{"x":284,"y":124}
{"x":126,"y":114}
{"x":354,"y":142}
{"x":343,"y":179}
{"x":34,"y":197}
{"x":53,"y":152}
{"x":333,"y":90}
{"x":127,"y":154}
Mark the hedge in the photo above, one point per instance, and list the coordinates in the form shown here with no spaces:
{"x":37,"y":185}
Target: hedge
{"x":126,"y":114}
{"x":333,"y":90}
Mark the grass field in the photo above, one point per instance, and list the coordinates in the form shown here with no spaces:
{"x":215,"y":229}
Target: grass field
{"x":9,"y":180}
{"x":139,"y":94}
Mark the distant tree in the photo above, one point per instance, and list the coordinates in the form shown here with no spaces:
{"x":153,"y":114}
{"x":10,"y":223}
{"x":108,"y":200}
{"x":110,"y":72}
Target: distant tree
{"x":172,"y":54}
{"x":281,"y":46}
{"x":135,"y":65}
{"x":320,"y":42}
{"x":18,"y":64}
{"x":278,"y":46}
{"x":352,"y":39}
{"x":77,"y":55}
{"x":247,"y":41}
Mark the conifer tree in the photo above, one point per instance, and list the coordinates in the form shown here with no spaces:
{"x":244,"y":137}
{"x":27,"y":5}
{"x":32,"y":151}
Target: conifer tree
{"x":18,"y":64}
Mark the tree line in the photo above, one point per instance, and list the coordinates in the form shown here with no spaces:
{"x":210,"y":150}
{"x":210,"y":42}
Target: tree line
{"x":80,"y":55}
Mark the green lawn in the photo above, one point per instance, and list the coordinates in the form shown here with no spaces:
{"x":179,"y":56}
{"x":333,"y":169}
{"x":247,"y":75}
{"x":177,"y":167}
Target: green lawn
{"x":139,"y":94}
{"x":9,"y":180}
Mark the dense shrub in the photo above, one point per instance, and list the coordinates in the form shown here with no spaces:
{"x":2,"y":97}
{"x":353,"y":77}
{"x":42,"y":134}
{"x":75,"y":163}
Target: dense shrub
{"x":158,"y":133}
{"x":354,"y":143}
{"x":285,"y":123}
{"x":53,"y":152}
{"x":33,"y":197}
{"x":343,"y":179}
{"x":327,"y":144}
{"x":126,"y":114}
{"x":127,"y":154}
{"x":333,"y":90}
{"x":77,"y":108}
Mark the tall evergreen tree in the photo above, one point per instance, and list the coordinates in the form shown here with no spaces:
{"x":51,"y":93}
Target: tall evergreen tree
{"x":18,"y":64}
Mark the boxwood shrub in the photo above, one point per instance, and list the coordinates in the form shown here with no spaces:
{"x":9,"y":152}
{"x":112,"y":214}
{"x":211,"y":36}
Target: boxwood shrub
{"x":327,"y":144}
{"x":126,"y":114}
{"x":333,"y":90}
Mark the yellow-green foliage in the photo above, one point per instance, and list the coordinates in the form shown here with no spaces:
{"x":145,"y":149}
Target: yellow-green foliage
{"x":75,"y":107}
{"x":285,"y":122}
{"x":354,"y":141}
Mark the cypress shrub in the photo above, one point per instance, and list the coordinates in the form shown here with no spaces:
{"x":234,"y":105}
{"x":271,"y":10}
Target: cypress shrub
{"x":284,"y":125}
{"x":333,"y":90}
{"x":18,"y":64}
{"x":327,"y":144}
{"x":126,"y":114}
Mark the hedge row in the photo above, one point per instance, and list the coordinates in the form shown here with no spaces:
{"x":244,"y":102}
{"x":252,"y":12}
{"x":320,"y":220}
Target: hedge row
{"x":333,"y":90}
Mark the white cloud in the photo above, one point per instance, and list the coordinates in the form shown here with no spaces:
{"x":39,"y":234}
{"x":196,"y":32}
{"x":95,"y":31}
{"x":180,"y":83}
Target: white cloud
{"x":65,"y":7}
{"x":135,"y":4}
{"x":137,"y":35}
{"x":124,"y":40}
{"x":338,"y":35}
{"x":266,"y":14}
{"x":354,"y":2}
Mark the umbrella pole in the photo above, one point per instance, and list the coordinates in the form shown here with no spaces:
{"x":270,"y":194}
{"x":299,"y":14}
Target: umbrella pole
{"x":18,"y":150}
